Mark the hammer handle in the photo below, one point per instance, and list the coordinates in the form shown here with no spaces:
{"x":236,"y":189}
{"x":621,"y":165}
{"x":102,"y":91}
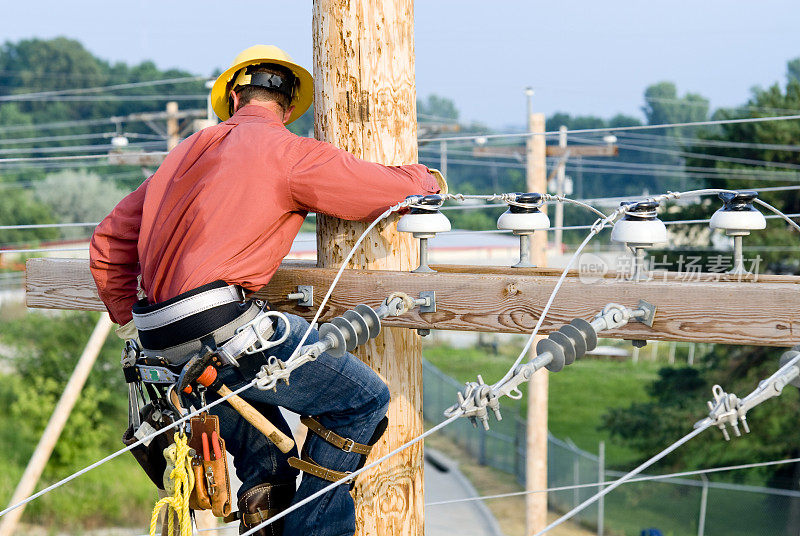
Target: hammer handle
{"x":258,"y":420}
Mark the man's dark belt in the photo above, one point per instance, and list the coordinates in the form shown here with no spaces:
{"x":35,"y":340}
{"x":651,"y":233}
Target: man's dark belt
{"x":177,"y":328}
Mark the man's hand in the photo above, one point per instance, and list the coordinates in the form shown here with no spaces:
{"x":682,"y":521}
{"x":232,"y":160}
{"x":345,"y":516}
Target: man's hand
{"x":440,"y":179}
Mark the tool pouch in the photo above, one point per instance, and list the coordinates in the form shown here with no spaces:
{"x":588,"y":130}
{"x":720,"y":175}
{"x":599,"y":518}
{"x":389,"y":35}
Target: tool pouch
{"x":212,"y":485}
{"x":150,"y":454}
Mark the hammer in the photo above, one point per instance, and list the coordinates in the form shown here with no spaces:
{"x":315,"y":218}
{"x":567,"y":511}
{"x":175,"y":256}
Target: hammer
{"x":198,"y":369}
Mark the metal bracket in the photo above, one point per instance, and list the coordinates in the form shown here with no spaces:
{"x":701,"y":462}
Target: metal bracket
{"x":304,"y":296}
{"x":430,"y":296}
{"x":649,"y":313}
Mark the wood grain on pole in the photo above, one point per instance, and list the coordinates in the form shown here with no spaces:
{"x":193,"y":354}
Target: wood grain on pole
{"x":365,"y":103}
{"x":536,"y":429}
{"x":56,"y":423}
{"x":763,"y":312}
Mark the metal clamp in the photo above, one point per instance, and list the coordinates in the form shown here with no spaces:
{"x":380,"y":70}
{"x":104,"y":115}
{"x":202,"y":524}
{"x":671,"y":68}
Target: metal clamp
{"x":304,"y":296}
{"x":728,"y":409}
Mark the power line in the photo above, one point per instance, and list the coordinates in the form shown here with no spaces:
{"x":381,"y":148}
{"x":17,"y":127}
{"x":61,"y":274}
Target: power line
{"x":134,"y":117}
{"x":96,"y":89}
{"x":646,"y":478}
{"x":68,"y":137}
{"x":118,"y":98}
{"x":619,"y":129}
{"x":699,"y":156}
{"x":62,"y":158}
{"x":714,"y":143}
{"x":79,"y":148}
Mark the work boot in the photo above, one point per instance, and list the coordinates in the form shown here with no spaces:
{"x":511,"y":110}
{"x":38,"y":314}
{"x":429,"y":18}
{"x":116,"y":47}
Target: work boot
{"x":262,"y":502}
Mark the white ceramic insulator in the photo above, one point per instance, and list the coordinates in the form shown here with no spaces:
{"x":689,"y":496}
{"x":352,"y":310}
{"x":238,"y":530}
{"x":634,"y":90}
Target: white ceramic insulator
{"x":432,"y":223}
{"x":530,"y":221}
{"x":119,"y":141}
{"x":642,"y":233}
{"x":738,"y":220}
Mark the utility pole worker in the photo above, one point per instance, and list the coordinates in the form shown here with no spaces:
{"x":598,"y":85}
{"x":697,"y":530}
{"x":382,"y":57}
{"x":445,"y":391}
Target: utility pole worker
{"x":217,"y":217}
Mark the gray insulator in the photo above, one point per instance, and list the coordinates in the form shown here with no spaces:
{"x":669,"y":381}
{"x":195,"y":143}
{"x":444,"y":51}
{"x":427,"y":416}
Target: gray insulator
{"x":330,"y":331}
{"x":373,"y":321}
{"x":576,"y":336}
{"x":589,"y":334}
{"x":566,"y":344}
{"x":548,"y":345}
{"x":360,"y":325}
{"x":350,"y":335}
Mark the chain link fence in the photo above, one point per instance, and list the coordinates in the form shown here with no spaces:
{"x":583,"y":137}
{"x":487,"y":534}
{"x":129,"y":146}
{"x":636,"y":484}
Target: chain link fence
{"x":674,"y":506}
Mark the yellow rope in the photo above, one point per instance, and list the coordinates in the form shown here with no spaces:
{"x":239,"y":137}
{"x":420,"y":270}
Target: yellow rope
{"x":182,"y":479}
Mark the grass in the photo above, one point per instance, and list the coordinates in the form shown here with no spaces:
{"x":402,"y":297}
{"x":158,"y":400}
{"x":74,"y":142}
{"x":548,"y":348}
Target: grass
{"x":579,"y":395}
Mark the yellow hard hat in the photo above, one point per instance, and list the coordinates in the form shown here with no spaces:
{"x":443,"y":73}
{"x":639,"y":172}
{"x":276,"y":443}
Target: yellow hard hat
{"x":220,"y":92}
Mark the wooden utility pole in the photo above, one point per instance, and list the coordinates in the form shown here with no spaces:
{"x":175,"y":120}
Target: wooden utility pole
{"x":561,"y":178}
{"x":173,"y":137}
{"x":365,"y":103}
{"x":56,"y":424}
{"x":536,"y":440}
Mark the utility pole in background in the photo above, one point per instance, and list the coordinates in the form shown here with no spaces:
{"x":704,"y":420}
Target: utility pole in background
{"x":365,"y":103}
{"x":61,"y":413}
{"x":173,"y":132}
{"x":443,"y":157}
{"x":560,"y":180}
{"x":536,"y":435}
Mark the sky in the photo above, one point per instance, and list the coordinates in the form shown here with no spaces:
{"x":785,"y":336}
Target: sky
{"x":581,"y":57}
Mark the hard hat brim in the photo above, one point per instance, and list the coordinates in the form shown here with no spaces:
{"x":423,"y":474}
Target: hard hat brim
{"x":304,"y":93}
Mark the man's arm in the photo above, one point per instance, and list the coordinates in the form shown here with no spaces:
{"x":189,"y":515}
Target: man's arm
{"x":113,"y":255}
{"x":331,"y":181}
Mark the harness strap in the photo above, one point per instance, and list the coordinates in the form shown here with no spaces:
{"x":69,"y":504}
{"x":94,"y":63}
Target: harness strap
{"x":253,"y":519}
{"x":344,"y":443}
{"x":186,"y":307}
{"x":308,"y":465}
{"x":236,"y":342}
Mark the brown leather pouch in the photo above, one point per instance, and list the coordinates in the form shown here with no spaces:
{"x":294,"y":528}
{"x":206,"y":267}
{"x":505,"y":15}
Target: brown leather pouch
{"x":212,"y":485}
{"x":217,"y":472}
{"x":199,"y":499}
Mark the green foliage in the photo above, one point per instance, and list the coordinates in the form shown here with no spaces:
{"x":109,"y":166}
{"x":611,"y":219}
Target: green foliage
{"x":677,"y":399}
{"x":662,"y":105}
{"x":579,"y":395}
{"x":774,"y":100}
{"x":18,"y":207}
{"x":43,"y":352}
{"x":39,"y":354}
{"x":74,"y":196}
{"x":436,"y":108}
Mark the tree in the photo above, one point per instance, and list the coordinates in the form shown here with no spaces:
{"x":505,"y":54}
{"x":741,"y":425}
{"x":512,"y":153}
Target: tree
{"x":662,"y":105}
{"x":75,"y":196}
{"x":774,"y":100}
{"x":678,"y":399}
{"x":436,"y":108}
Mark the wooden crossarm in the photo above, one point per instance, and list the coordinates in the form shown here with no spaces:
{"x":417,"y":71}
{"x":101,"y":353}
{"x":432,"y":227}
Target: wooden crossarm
{"x":471,"y":298}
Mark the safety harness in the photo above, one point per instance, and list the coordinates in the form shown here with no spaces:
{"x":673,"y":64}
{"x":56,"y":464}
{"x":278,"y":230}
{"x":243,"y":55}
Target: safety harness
{"x":216,"y":316}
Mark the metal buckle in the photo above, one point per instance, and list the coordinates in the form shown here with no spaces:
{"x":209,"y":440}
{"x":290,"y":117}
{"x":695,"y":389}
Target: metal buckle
{"x":261,"y":344}
{"x":349,"y":444}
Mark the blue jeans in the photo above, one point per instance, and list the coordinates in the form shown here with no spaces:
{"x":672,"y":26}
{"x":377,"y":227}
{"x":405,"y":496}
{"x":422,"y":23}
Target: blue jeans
{"x":345,"y":396}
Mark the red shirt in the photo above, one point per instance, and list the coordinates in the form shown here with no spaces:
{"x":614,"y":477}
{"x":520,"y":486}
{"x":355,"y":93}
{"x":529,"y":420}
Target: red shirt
{"x":227,"y":203}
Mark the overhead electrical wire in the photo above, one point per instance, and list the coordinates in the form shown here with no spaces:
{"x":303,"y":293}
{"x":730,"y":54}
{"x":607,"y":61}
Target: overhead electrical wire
{"x":97,"y":89}
{"x":618,"y":129}
{"x":647,"y":478}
